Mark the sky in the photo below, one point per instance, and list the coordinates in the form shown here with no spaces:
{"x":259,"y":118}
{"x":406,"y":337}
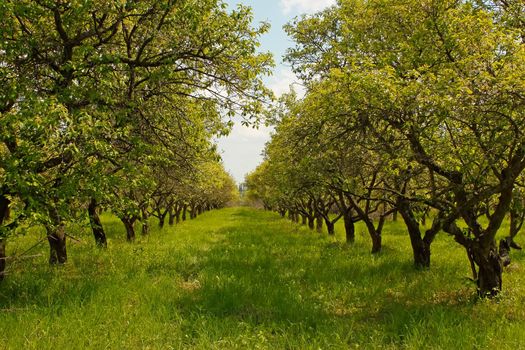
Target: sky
{"x":241,"y":150}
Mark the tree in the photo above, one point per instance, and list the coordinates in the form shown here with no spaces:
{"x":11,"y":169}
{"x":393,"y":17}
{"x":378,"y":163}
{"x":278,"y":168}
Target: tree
{"x":93,"y":89}
{"x":440,"y":78}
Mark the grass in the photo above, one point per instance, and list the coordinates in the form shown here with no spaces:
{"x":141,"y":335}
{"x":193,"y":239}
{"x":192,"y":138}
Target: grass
{"x":239,"y":278}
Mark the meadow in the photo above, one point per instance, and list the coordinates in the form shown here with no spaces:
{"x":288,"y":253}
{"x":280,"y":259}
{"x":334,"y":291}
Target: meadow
{"x":241,"y":278}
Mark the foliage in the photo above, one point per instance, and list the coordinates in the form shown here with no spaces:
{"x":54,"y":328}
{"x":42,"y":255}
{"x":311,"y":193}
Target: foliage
{"x":413,"y":107}
{"x":98,"y":97}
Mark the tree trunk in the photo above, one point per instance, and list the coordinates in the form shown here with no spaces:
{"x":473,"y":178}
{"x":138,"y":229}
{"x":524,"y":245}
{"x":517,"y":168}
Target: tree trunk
{"x":177,"y":216}
{"x":486,"y":258}
{"x":311,"y":222}
{"x":490,"y":271}
{"x":303,"y":219}
{"x":319,"y":224}
{"x":172,"y":213}
{"x":56,"y":237}
{"x":130,"y":230}
{"x":145,"y":227}
{"x":330,"y":226}
{"x":144,"y":218}
{"x":504,"y":251}
{"x":421,"y":251}
{"x":375,"y":234}
{"x":349,"y":228}
{"x":96,"y":225}
{"x":2,"y":259}
{"x":420,"y":248}
{"x":376,"y":243}
{"x":4,"y":214}
{"x":516,"y":222}
{"x":184,"y":212}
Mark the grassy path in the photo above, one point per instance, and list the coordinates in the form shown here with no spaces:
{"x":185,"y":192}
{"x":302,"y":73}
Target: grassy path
{"x":245,"y":279}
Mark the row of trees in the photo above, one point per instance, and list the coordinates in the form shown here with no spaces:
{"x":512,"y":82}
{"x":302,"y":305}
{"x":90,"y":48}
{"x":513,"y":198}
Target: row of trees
{"x":412,"y":107}
{"x":114,"y":105}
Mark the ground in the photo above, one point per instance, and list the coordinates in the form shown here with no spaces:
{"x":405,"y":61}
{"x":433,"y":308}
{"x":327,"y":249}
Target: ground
{"x":241,"y":278}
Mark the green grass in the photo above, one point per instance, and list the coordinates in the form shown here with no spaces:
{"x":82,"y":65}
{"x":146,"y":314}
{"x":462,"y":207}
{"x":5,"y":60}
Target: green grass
{"x":245,"y":279}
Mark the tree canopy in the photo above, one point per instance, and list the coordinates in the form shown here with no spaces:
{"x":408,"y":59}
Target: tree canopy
{"x":103,"y":102}
{"x":414,"y":107}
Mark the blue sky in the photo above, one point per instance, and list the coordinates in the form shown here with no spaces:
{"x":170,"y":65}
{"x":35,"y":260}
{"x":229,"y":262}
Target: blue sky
{"x":241,"y":150}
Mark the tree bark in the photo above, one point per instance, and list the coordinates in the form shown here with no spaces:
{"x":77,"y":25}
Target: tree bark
{"x":56,"y":237}
{"x":420,"y":248}
{"x":504,"y":251}
{"x":330,"y":226}
{"x":145,"y":228}
{"x":130,"y":230}
{"x":516,"y":223}
{"x":421,"y":251}
{"x":303,"y":219}
{"x":291,"y":215}
{"x":375,"y":233}
{"x":349,"y":228}
{"x":96,"y":225}
{"x":184,"y":212}
{"x":490,"y":271}
{"x":311,"y":222}
{"x":4,"y":214}
{"x":319,"y":224}
{"x":145,"y":222}
{"x":172,"y":215}
{"x":177,"y":215}
{"x":376,"y":243}
{"x":2,"y":259}
{"x":485,"y":256}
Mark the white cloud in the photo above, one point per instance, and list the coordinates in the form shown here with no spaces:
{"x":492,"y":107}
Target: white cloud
{"x":241,"y":149}
{"x":252,"y":134}
{"x":282,"y":80}
{"x":305,"y":6}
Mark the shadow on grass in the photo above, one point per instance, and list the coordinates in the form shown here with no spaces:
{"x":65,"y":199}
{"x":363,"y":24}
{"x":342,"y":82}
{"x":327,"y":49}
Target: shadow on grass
{"x":273,"y":279}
